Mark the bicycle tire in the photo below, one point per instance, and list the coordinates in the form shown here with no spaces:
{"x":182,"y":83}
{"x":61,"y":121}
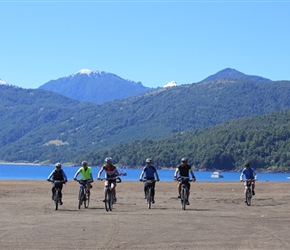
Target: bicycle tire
{"x":149,"y":197}
{"x":87,"y":200}
{"x":56,"y":199}
{"x":107,"y":197}
{"x":183,"y":198}
{"x":80,"y":198}
{"x":248,"y":197}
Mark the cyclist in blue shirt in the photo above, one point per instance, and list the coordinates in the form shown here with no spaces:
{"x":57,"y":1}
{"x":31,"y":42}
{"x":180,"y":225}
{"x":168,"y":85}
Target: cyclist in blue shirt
{"x":150,"y":173}
{"x":249,"y":174}
{"x":57,"y":175}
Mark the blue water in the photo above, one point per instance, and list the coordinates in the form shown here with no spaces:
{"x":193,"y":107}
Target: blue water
{"x":40,"y":172}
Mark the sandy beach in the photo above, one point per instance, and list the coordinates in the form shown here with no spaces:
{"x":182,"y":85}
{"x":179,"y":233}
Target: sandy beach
{"x":217,"y":218}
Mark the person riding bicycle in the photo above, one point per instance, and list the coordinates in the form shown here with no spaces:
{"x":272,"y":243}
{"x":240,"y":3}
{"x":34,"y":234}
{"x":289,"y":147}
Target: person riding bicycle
{"x":111,"y":172}
{"x":150,"y":174}
{"x":57,"y":175}
{"x":249,"y":174}
{"x":184,"y":169}
{"x":86,"y":173}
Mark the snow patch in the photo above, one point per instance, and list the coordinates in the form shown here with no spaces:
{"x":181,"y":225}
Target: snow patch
{"x":170,"y":84}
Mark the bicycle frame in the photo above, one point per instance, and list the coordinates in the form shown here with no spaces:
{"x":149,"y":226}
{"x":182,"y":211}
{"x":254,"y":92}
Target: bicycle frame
{"x":56,"y":197}
{"x":84,"y":195}
{"x":184,"y":190}
{"x":149,"y":190}
{"x":248,"y":191}
{"x":108,"y":192}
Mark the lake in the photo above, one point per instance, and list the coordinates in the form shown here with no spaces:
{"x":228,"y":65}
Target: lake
{"x":40,"y":172}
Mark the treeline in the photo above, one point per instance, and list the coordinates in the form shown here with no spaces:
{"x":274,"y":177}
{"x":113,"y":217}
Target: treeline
{"x":262,"y":140}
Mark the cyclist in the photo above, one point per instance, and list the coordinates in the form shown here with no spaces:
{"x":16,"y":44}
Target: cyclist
{"x":184,"y":169}
{"x":150,"y":174}
{"x":249,"y":174}
{"x":111,"y":172}
{"x":57,"y":175}
{"x":86,"y":173}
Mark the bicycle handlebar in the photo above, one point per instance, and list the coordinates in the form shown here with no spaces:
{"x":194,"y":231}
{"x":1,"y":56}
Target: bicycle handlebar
{"x":118,"y":179}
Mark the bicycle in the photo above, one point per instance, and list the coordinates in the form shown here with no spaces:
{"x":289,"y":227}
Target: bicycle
{"x":184,"y":190}
{"x":84,"y":193}
{"x":248,"y":191}
{"x":56,"y":196}
{"x":109,"y":199}
{"x":149,"y":190}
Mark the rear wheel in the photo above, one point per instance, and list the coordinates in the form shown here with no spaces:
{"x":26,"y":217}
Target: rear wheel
{"x":56,"y":199}
{"x":81,"y":197}
{"x":248,"y":197}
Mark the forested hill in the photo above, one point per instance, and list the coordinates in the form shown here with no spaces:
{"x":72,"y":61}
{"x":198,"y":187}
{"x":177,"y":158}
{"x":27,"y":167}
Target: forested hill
{"x":41,"y":126}
{"x":264,"y":141}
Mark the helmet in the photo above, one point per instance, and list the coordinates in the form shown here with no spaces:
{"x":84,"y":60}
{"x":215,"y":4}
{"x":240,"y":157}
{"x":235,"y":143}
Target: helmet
{"x":108,"y":160}
{"x":148,"y":160}
{"x":184,"y":159}
{"x":247,"y":164}
{"x":58,"y":165}
{"x":84,"y":163}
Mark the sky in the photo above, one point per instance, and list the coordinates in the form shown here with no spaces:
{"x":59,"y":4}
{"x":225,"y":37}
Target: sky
{"x":153,"y":42}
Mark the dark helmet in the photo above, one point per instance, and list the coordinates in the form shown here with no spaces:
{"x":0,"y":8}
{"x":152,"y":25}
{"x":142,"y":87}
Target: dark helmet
{"x":58,"y":165}
{"x":108,"y":160}
{"x":184,"y":159}
{"x":84,"y":163}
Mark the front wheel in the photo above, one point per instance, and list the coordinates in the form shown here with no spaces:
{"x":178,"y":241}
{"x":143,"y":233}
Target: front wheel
{"x":81,"y":197}
{"x":56,"y":199}
{"x":183,"y":198}
{"x":149,"y":197}
{"x":248,"y":196}
{"x":87,"y":199}
{"x":108,"y":199}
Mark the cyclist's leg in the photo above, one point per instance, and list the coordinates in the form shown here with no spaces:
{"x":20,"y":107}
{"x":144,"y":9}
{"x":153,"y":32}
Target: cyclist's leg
{"x":188,"y":190}
{"x":153,"y":190}
{"x":179,"y":189}
{"x":145,"y":189}
{"x":114,"y":191}
{"x":52,"y":192}
{"x":253,"y":187}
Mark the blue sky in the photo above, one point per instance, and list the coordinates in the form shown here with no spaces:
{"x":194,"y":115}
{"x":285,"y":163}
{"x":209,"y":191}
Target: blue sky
{"x":154,"y":42}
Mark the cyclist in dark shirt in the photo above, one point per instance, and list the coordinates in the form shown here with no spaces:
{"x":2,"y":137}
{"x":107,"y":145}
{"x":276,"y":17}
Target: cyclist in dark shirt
{"x":57,"y":175}
{"x":184,"y":169}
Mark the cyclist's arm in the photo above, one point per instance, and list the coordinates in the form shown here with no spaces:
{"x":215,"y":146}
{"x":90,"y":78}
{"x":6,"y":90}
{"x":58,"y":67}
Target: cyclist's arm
{"x":156,"y":175}
{"x":192,"y":174}
{"x":176,"y":172}
{"x":241,"y":176}
{"x":142,"y":174}
{"x":77,"y":173}
{"x":50,"y":177}
{"x":255,"y":176}
{"x":100,"y":172}
{"x":91,"y":175}
{"x":64,"y":176}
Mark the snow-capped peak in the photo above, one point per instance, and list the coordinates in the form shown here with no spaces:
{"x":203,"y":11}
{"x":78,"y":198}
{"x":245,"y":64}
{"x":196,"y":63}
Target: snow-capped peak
{"x":84,"y":71}
{"x":170,"y":84}
{"x":2,"y":82}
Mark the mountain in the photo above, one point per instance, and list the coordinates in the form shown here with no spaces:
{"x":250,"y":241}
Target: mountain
{"x":39,"y":125}
{"x":232,"y":74}
{"x":95,"y":86}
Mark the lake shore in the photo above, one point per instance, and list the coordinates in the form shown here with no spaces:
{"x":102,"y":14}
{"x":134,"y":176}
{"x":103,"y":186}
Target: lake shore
{"x":217,"y":217}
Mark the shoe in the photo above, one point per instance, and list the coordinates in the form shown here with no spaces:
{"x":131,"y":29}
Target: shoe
{"x":145,"y":197}
{"x":104,"y":200}
{"x":245,"y":201}
{"x":153,"y":201}
{"x":52,"y":197}
{"x":178,"y":196}
{"x":60,"y":202}
{"x":187,"y":203}
{"x":253,"y":192}
{"x":114,"y":199}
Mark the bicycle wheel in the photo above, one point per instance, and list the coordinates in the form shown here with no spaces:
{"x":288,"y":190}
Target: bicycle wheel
{"x":107,"y":199}
{"x":183,"y":198}
{"x":248,"y":197}
{"x":87,"y":199}
{"x":56,"y":199}
{"x":81,"y":197}
{"x":149,"y":197}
